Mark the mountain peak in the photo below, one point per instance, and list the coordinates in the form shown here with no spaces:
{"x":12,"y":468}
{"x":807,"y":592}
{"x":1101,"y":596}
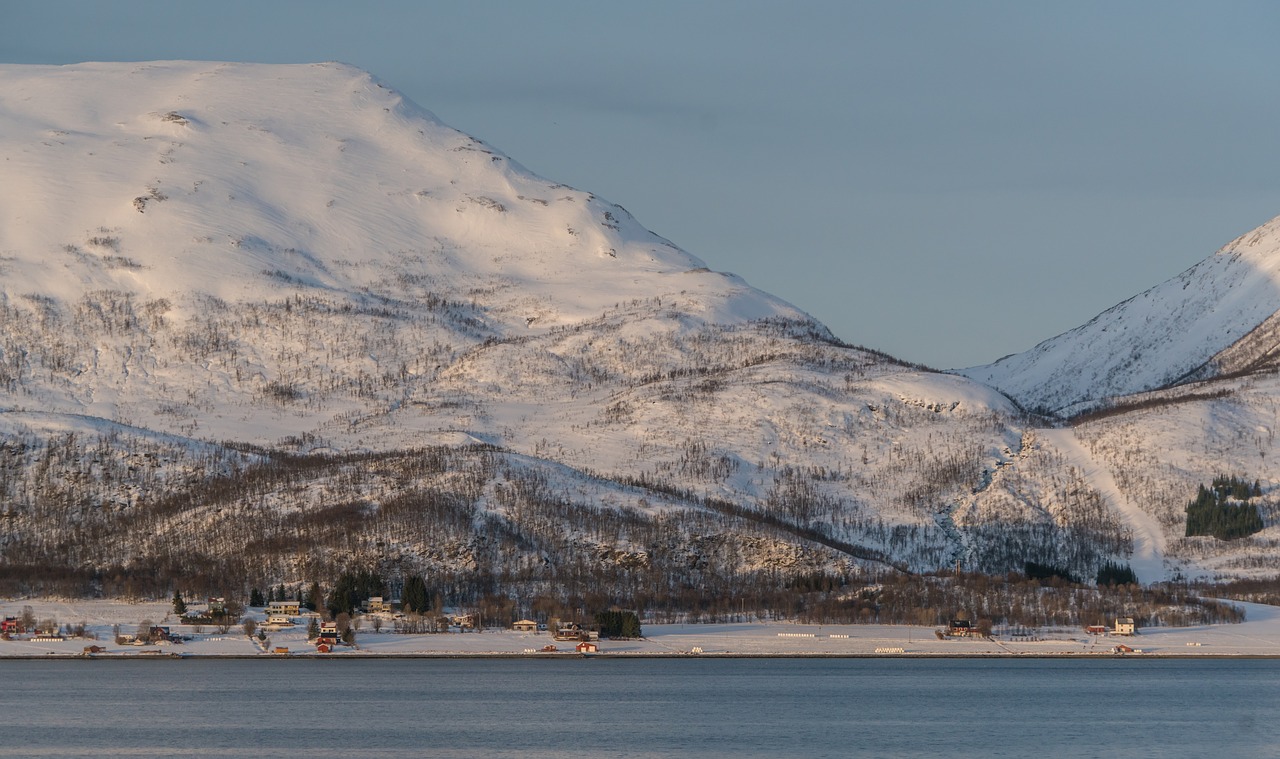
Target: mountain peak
{"x":233,"y":179}
{"x":1206,"y":321}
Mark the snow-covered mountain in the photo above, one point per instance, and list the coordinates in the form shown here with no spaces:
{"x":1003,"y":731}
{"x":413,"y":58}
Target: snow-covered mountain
{"x":262,"y":323}
{"x":1220,"y":316}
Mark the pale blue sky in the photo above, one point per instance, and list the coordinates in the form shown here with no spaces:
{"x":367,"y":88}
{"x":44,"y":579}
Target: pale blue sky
{"x":944,"y":181}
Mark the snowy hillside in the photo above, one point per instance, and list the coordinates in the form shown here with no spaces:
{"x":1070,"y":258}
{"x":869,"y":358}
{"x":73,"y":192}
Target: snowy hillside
{"x":1216,"y":317}
{"x":261,"y":324}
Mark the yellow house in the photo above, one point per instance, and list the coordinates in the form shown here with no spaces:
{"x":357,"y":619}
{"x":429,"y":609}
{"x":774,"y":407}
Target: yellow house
{"x":284,"y":608}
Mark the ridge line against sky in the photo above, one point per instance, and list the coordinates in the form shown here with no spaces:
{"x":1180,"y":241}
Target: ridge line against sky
{"x":947,"y":182}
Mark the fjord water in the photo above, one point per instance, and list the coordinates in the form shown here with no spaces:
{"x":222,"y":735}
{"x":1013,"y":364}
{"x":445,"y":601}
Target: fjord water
{"x":572,"y":707}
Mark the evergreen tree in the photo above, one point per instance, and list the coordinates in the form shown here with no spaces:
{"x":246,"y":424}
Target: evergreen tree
{"x":314,"y":597}
{"x":313,"y":629}
{"x":179,"y":606}
{"x":415,"y":598}
{"x":255,"y":598}
{"x":1116,"y":574}
{"x":353,"y":589}
{"x":618,"y":624}
{"x":1224,"y":511}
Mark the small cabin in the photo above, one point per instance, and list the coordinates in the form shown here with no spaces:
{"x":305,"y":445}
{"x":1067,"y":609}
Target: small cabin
{"x":1096,"y":629}
{"x":525,"y":625}
{"x":588,"y":648}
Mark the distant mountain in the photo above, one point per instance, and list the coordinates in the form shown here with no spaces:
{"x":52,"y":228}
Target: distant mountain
{"x":1218,"y":317}
{"x":263,"y":324}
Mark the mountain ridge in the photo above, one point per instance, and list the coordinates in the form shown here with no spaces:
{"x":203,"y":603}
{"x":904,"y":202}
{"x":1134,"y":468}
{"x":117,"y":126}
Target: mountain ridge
{"x":1195,"y":325}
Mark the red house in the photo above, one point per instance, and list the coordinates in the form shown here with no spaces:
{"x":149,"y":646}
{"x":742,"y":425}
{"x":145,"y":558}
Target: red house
{"x":328,"y":633}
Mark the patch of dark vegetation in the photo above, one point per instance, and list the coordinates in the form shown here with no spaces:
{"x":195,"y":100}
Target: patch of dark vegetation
{"x":1225,"y":510}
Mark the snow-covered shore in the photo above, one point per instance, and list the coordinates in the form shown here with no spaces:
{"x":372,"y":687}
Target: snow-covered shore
{"x":1258,"y":636}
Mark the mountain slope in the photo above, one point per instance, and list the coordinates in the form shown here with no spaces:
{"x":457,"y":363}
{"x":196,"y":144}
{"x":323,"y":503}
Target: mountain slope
{"x":1218,"y":316}
{"x":298,"y":261}
{"x":261,"y":324}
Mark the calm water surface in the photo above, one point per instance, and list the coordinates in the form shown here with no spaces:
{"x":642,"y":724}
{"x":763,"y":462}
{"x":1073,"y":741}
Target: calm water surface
{"x":741,"y":708}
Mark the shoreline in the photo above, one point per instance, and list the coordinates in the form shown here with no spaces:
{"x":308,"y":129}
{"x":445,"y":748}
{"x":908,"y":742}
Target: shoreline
{"x":564,"y":656}
{"x":1258,"y":637}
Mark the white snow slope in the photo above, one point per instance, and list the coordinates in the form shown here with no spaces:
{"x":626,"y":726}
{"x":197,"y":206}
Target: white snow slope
{"x":297,"y":258}
{"x":1158,"y":337}
{"x":231,"y":179}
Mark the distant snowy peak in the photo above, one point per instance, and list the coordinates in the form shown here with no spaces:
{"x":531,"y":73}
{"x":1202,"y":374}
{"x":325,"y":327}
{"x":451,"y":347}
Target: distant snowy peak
{"x":240,"y":181}
{"x":1217,"y":317}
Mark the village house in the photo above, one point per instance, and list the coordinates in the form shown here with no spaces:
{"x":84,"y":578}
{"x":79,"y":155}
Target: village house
{"x":573,"y":631}
{"x":217,"y":605}
{"x":158,"y":633}
{"x":284,"y":608}
{"x":278,"y":622}
{"x":1125,"y":626}
{"x":588,"y":648}
{"x":1096,"y":629}
{"x":10,"y":626}
{"x":328,"y":634}
{"x":525,"y":625}
{"x":961,"y":628}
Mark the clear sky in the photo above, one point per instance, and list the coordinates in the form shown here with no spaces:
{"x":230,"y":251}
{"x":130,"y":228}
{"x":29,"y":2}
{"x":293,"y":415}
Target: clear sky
{"x":945,"y":181}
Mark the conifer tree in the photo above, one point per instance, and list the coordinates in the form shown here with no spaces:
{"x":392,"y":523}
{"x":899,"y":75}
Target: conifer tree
{"x":315,"y":598}
{"x":415,"y":597}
